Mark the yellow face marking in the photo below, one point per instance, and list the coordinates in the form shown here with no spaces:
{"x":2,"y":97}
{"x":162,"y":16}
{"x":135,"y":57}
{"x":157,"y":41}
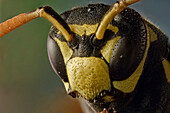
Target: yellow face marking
{"x":107,"y":50}
{"x":65,"y":50}
{"x":129,"y":84}
{"x":66,"y":84}
{"x":88,"y":76}
{"x":114,"y":29}
{"x":87,"y":30}
{"x":83,"y":29}
{"x":166,"y":65}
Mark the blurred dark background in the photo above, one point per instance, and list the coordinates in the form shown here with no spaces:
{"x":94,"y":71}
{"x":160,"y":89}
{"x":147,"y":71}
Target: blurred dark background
{"x":28,"y":84}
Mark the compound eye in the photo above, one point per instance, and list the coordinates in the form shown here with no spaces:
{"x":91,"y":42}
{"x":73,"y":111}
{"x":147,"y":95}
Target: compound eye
{"x":124,"y":59}
{"x":56,"y":59}
{"x":130,"y":48}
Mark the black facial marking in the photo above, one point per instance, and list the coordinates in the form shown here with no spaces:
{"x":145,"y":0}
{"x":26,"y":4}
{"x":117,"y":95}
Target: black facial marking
{"x":74,"y":43}
{"x":96,"y":42}
{"x":86,"y":15}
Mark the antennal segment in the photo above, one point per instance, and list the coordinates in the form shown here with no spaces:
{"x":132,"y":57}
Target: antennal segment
{"x":46,"y":12}
{"x":114,"y":10}
{"x":17,"y":21}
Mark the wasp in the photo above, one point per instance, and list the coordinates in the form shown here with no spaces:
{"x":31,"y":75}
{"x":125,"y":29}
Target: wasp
{"x":108,"y":56}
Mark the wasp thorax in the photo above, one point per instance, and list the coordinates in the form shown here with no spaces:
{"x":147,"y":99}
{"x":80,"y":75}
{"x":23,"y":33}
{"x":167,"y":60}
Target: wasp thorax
{"x":88,"y":76}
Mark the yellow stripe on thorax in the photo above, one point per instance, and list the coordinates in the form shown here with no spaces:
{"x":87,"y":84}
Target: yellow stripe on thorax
{"x":166,"y":65}
{"x":153,"y":36}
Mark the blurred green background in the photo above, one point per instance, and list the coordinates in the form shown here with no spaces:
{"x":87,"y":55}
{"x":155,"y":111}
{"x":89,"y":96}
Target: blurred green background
{"x":28,"y":84}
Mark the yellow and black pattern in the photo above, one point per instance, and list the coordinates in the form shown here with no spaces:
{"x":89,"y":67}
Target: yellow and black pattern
{"x":128,"y":70}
